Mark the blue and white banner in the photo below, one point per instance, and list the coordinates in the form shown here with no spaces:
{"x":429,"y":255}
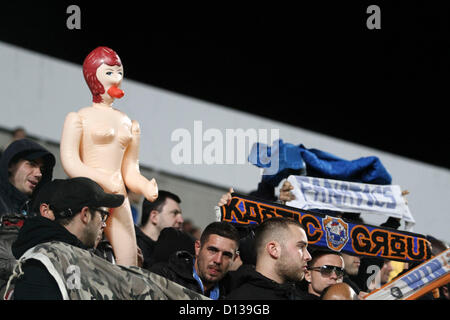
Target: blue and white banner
{"x":415,"y":283}
{"x":344,"y":196}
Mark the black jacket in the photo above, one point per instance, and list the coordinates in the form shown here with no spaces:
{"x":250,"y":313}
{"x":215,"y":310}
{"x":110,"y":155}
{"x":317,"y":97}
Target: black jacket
{"x":146,"y":244}
{"x":179,"y":269}
{"x":36,"y":282}
{"x":351,"y":281}
{"x":248,"y":284}
{"x":170,"y":240}
{"x":37,"y":230}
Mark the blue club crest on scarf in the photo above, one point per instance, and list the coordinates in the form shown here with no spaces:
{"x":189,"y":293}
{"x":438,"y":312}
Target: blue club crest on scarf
{"x":284,"y":159}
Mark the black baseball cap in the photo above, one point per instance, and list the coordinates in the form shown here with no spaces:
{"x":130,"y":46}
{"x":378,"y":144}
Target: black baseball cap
{"x":71,"y":195}
{"x":44,"y":194}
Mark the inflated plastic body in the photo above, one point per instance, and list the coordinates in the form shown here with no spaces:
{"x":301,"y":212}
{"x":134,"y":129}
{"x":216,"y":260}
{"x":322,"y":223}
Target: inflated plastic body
{"x":102,"y":143}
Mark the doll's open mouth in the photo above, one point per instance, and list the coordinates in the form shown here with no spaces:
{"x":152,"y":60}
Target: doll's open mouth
{"x":115,"y":92}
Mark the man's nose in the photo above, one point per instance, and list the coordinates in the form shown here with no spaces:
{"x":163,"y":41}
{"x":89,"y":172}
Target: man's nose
{"x":333,"y":275}
{"x":307,"y":255}
{"x":217,"y":258}
{"x":37,"y":172}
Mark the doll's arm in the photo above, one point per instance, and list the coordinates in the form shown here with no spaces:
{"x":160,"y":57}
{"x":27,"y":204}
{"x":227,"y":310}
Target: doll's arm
{"x":70,"y":155}
{"x":132,"y":177}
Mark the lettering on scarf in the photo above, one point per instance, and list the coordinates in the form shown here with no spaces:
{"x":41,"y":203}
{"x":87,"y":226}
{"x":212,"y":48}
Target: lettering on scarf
{"x":331,"y":231}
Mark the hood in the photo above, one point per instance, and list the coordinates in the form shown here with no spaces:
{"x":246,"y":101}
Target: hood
{"x":39,"y":230}
{"x":13,"y":199}
{"x":171,"y":240}
{"x":247,"y":274}
{"x":181,"y":262}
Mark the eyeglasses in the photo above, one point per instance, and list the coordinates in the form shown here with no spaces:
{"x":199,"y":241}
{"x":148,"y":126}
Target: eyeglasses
{"x":327,"y":270}
{"x":103,"y":213}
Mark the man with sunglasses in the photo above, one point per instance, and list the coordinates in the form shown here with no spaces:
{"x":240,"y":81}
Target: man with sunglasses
{"x":79,"y":207}
{"x":325,"y":268}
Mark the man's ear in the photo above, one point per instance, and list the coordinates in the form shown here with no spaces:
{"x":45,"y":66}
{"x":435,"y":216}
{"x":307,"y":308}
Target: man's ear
{"x":308,"y":276}
{"x":273,"y":249}
{"x":197,"y":246}
{"x":236,"y":255}
{"x":85,"y":215}
{"x":45,"y":211}
{"x":154,"y":217}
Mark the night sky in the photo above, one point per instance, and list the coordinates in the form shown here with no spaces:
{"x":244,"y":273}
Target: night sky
{"x":316,"y":67}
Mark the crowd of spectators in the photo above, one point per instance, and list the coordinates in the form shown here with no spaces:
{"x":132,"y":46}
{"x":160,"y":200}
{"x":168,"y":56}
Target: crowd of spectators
{"x":224,"y":261}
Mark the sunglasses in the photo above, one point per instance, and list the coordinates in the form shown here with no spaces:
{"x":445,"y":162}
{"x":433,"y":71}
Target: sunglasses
{"x":327,"y":270}
{"x":103,"y":213}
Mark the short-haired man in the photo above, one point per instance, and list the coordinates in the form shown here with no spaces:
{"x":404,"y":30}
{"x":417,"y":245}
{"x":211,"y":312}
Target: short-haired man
{"x":24,"y":167}
{"x":281,"y":260}
{"x":80,"y":208}
{"x":215,"y":253}
{"x":325,"y":268}
{"x":164,"y":212}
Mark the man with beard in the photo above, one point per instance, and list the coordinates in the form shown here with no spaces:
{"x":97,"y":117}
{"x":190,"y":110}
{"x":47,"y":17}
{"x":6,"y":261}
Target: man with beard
{"x":215,"y":253}
{"x":80,"y":209}
{"x":281,"y":261}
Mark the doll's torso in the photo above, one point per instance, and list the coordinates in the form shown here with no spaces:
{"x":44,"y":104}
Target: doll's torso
{"x":106,"y":135}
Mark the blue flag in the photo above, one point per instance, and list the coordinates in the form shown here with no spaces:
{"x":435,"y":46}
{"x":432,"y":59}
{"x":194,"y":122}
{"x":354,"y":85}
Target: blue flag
{"x":292,"y":159}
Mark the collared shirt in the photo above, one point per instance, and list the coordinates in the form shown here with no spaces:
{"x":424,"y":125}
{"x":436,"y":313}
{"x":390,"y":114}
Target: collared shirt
{"x":214,"y":293}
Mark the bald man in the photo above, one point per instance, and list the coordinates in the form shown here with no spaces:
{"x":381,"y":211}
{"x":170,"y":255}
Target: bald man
{"x":339,"y":291}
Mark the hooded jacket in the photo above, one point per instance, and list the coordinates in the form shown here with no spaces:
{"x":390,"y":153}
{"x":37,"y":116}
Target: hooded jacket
{"x":179,"y":269}
{"x":37,"y":283}
{"x":12,"y":201}
{"x":171,"y":240}
{"x":248,"y":284}
{"x":39,"y":230}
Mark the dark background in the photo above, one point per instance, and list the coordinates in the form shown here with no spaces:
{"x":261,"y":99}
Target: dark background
{"x":315,"y":66}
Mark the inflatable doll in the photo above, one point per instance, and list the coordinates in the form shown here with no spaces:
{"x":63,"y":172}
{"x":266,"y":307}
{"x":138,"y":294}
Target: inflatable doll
{"x":102,"y":143}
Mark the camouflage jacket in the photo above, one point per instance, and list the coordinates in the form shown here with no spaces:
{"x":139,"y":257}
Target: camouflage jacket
{"x":81,"y":275}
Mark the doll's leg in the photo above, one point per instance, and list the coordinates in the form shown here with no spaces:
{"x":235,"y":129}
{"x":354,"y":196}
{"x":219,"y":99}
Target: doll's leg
{"x":120,"y":233}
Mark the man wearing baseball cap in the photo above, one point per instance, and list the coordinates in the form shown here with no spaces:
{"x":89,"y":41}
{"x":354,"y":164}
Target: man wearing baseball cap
{"x":80,"y":209}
